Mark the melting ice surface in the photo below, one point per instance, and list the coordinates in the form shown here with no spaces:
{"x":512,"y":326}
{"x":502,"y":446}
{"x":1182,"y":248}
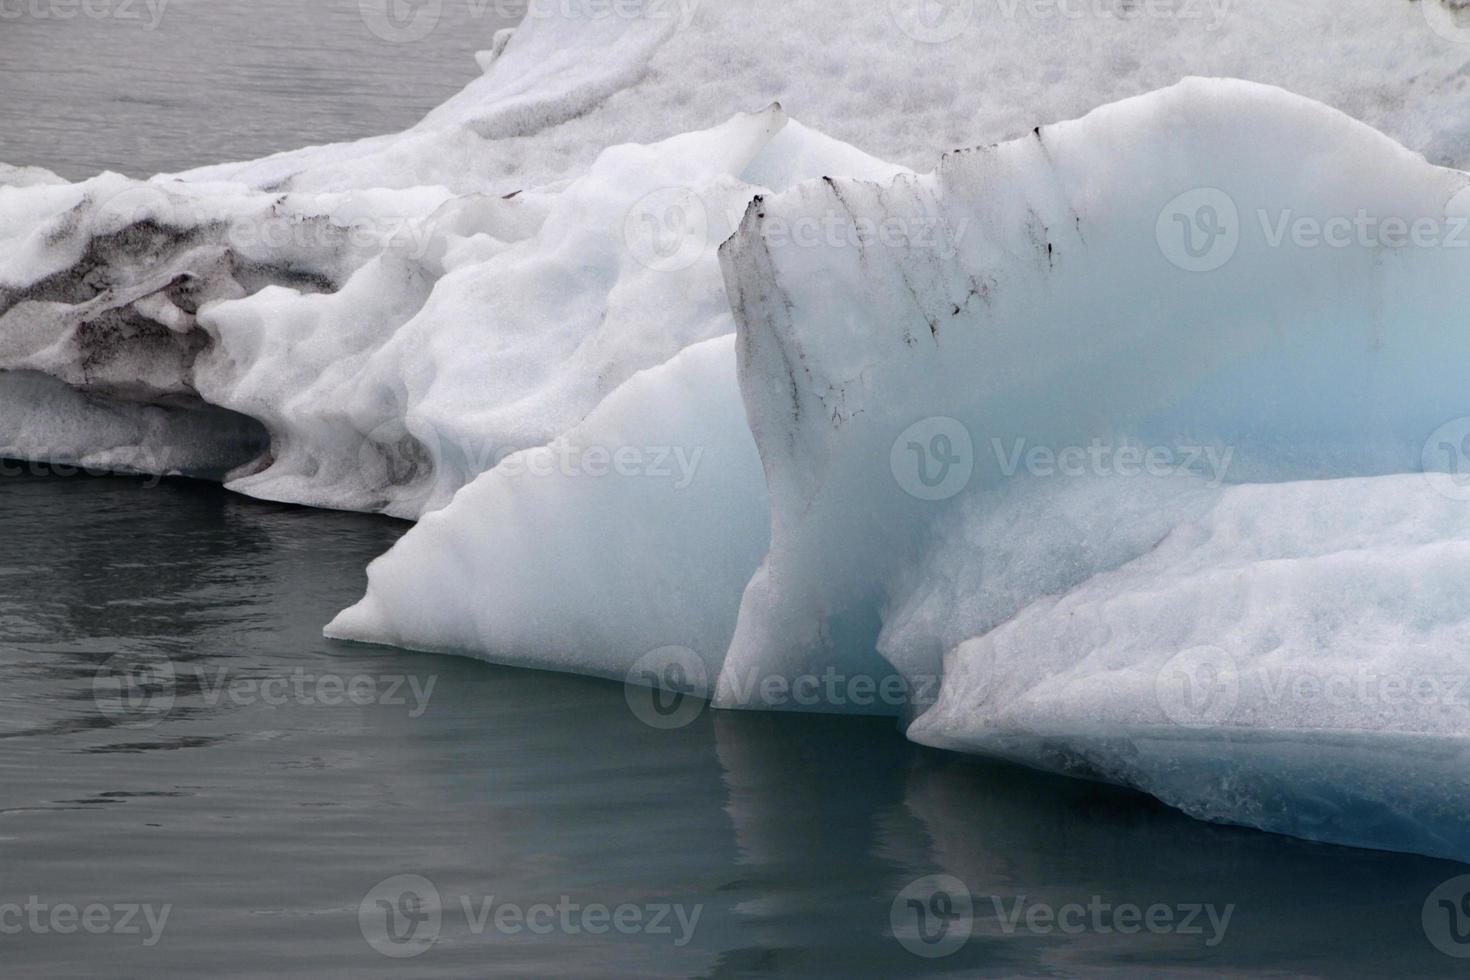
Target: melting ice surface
{"x":1082,"y":437}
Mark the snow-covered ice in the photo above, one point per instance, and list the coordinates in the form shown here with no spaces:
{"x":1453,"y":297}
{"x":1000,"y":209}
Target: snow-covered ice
{"x":905,"y":80}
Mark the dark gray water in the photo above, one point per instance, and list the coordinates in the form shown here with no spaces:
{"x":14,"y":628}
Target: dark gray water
{"x":144,"y":86}
{"x":263,"y":818}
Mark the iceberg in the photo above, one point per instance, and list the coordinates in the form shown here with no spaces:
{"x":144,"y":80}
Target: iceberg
{"x":1128,"y":446}
{"x":917,"y":400}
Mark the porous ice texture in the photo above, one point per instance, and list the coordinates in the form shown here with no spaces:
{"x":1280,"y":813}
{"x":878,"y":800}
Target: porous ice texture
{"x":1296,"y":658}
{"x":392,"y":344}
{"x":905,"y":80}
{"x":522,"y":315}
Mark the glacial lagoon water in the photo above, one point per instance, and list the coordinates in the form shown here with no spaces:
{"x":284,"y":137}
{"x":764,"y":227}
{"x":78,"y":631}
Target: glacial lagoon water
{"x":176,"y":735}
{"x":194,"y":782}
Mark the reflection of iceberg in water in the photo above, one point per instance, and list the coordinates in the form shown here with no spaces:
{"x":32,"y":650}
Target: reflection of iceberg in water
{"x":833,"y":817}
{"x":1299,"y":906}
{"x":813,"y":800}
{"x":1393,"y":791}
